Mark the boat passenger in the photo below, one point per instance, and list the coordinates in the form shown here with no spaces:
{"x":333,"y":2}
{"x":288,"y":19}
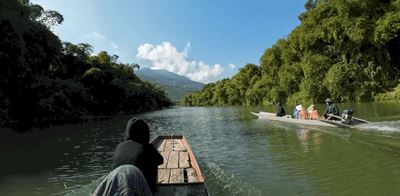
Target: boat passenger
{"x":332,"y":109}
{"x":303,"y":113}
{"x":296,"y":111}
{"x":280,"y":110}
{"x":309,"y":109}
{"x":123,"y":180}
{"x":137,"y":150}
{"x":313,"y":112}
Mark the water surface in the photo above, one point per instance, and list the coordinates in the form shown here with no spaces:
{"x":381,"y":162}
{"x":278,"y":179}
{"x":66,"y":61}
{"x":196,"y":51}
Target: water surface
{"x":238,"y":154}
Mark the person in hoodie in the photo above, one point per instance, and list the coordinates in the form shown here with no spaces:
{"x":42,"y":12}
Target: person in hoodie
{"x":280,"y":110}
{"x":137,"y":150}
{"x":125,"y":180}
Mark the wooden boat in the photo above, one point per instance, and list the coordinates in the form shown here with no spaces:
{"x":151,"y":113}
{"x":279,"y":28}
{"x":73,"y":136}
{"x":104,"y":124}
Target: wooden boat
{"x":325,"y":123}
{"x":179,"y":174}
{"x":355,"y":121}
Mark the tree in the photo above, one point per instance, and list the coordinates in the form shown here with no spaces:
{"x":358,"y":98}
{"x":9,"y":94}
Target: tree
{"x":49,"y":18}
{"x":346,"y":50}
{"x":310,"y":4}
{"x":45,"y":82}
{"x":135,"y":66}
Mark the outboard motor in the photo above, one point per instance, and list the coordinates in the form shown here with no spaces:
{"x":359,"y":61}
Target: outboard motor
{"x":347,"y":117}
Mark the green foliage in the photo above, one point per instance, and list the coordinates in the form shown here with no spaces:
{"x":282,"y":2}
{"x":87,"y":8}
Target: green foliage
{"x":343,"y":49}
{"x":389,"y":96}
{"x":388,"y":26}
{"x":44,"y":81}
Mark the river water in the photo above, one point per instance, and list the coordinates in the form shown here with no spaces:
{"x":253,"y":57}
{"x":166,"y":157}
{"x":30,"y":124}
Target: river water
{"x":238,"y":153}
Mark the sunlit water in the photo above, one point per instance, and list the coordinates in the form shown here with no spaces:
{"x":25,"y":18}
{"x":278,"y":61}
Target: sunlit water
{"x":238,"y":154}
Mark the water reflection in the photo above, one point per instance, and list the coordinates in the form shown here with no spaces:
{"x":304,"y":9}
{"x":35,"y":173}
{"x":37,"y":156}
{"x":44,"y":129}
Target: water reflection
{"x":310,"y":140}
{"x":239,"y":154}
{"x":336,"y":165}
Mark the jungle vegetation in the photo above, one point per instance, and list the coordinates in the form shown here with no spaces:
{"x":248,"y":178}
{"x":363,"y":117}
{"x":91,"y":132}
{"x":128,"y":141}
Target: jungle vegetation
{"x":344,"y":49}
{"x":389,"y":96}
{"x":44,"y":81}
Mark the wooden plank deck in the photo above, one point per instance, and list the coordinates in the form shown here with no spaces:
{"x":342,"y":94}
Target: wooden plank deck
{"x":163,"y":176}
{"x":165,"y":155}
{"x":184,"y":160}
{"x":179,"y":174}
{"x":177,"y":145}
{"x":176,"y":176}
{"x":160,"y":146}
{"x":191,"y":175}
{"x":168,"y":145}
{"x":177,"y":167}
{"x":173,"y":159}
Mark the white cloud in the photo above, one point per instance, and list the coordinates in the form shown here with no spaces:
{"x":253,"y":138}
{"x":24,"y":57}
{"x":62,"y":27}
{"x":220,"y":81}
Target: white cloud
{"x":166,"y":56}
{"x":187,"y":48}
{"x":114,"y":45}
{"x":232,"y":66}
{"x":95,"y":36}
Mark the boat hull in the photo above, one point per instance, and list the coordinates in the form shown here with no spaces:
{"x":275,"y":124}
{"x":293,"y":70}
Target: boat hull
{"x":322,"y":122}
{"x":273,"y":117}
{"x":192,"y":189}
{"x":180,"y":173}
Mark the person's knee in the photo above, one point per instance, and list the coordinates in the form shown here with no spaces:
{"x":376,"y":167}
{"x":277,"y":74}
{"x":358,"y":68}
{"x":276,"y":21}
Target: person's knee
{"x":128,"y":168}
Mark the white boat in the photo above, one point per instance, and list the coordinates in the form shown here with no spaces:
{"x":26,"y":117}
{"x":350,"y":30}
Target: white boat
{"x":322,"y":122}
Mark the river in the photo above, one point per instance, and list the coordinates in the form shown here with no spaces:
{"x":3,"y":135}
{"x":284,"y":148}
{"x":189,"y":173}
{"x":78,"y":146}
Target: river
{"x":238,"y":153}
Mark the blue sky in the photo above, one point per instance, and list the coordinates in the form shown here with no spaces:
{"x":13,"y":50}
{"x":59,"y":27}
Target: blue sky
{"x":205,"y":40}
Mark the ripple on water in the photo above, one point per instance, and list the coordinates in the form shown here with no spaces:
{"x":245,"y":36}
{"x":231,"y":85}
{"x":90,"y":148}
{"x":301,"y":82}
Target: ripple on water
{"x":238,"y":155}
{"x":383,"y":127}
{"x":221,"y":182}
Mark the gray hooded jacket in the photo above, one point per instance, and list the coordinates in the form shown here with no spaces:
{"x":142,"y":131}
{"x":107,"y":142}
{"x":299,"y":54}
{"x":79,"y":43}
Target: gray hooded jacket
{"x":136,"y":150}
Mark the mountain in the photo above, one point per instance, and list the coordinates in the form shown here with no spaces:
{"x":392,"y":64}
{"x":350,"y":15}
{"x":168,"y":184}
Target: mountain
{"x":176,"y":86}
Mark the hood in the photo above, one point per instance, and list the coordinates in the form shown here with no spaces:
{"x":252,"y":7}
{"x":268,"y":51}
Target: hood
{"x":138,"y":131}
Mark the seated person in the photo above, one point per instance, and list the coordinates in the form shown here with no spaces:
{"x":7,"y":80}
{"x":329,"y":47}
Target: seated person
{"x":296,"y":111}
{"x":303,"y":113}
{"x":331,"y":109}
{"x":313,"y":112}
{"x":123,"y":180}
{"x":280,"y":110}
{"x":136,"y":150}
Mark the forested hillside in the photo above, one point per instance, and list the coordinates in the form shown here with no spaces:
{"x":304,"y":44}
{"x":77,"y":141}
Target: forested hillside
{"x":176,"y":86}
{"x":344,"y":49}
{"x":44,"y":81}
